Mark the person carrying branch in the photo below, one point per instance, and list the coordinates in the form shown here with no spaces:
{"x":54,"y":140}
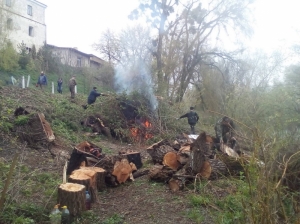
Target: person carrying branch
{"x":93,"y":96}
{"x":225,"y":132}
{"x":192,"y":117}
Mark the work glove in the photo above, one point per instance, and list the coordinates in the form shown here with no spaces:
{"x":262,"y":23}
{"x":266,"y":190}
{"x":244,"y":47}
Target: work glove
{"x":177,"y":118}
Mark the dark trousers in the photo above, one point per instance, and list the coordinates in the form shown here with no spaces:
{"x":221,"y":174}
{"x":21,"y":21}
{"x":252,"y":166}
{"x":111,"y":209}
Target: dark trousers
{"x":192,"y":129}
{"x":59,"y":89}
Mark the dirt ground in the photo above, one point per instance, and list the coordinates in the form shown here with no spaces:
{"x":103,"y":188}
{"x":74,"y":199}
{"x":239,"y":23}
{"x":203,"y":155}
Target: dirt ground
{"x":142,"y":201}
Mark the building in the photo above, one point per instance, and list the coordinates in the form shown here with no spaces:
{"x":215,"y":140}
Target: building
{"x":76,"y":58}
{"x":23,"y":21}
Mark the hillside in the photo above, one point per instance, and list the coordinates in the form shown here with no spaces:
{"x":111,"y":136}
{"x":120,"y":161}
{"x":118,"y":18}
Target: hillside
{"x":39,"y":169}
{"x":32,"y":191}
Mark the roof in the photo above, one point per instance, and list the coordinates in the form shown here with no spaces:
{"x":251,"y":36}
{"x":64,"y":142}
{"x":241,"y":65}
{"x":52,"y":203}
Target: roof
{"x":92,"y":57}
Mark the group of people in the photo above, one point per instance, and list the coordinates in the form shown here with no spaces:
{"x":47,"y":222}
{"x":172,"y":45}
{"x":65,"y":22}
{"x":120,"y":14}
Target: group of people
{"x":224,"y":128}
{"x":42,"y":82}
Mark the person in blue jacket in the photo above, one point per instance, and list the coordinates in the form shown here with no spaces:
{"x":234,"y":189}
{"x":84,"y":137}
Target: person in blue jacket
{"x":42,"y":81}
{"x":93,"y":96}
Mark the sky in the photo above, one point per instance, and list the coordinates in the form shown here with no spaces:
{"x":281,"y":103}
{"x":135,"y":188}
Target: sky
{"x":73,"y":23}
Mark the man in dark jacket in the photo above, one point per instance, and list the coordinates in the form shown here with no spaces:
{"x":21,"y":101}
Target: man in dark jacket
{"x":92,"y":97}
{"x":192,"y":117}
{"x":225,"y":131}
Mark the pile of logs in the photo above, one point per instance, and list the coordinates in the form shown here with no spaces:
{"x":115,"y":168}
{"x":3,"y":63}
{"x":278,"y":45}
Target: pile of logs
{"x":193,"y":159}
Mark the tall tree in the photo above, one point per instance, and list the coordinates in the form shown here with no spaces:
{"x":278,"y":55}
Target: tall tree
{"x":109,"y":46}
{"x":159,"y":11}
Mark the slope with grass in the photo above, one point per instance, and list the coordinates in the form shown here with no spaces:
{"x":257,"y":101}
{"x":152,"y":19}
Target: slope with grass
{"x":32,"y":191}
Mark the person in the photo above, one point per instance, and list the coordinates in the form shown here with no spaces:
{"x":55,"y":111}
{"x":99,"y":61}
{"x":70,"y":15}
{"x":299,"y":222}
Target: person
{"x":72,"y":84}
{"x":92,"y":97}
{"x":42,"y":81}
{"x":13,"y":80}
{"x":225,"y":131}
{"x":59,"y":85}
{"x":192,"y":117}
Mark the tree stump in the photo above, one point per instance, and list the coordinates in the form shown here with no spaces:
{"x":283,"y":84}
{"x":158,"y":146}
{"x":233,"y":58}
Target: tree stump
{"x":134,"y":157}
{"x":73,"y":196}
{"x":100,"y":176}
{"x":87,"y":178}
{"x":37,"y":130}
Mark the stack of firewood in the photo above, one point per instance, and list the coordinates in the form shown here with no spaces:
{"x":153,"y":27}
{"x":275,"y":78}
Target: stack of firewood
{"x":193,"y":159}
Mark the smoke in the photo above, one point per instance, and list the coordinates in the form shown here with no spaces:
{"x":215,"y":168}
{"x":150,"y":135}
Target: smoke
{"x":135,"y":76}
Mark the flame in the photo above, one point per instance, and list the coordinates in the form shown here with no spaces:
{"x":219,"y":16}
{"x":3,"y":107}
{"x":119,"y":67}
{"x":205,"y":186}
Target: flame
{"x":147,"y":124}
{"x":134,"y":132}
{"x":141,"y":131}
{"x":148,"y":135}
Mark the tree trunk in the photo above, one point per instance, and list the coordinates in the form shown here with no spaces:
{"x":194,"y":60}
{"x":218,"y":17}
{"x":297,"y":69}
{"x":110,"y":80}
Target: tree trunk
{"x":87,"y":178}
{"x":218,"y":169}
{"x":100,"y":176}
{"x":73,"y":196}
{"x":200,"y":151}
{"x":161,"y":173}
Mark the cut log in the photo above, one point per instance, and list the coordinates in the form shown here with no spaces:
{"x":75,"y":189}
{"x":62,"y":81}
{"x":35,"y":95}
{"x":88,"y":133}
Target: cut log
{"x":233,"y":165}
{"x":229,"y":151}
{"x":140,"y":173}
{"x":100,"y":176}
{"x":206,"y":170}
{"x":123,"y":170}
{"x":88,"y":178}
{"x":158,"y":152}
{"x":73,"y":196}
{"x":36,"y":130}
{"x":134,"y":157}
{"x":97,"y":125}
{"x":175,"y":184}
{"x":160,"y":173}
{"x":201,"y":151}
{"x":170,"y":160}
{"x":218,"y":169}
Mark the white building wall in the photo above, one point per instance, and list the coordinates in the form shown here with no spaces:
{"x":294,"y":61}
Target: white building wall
{"x":21,"y":22}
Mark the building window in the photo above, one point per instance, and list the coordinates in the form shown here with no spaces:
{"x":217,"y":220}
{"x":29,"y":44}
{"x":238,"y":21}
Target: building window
{"x":78,"y":62}
{"x":9,"y":24}
{"x":29,"y":10}
{"x":30,"y":31}
{"x":8,"y":3}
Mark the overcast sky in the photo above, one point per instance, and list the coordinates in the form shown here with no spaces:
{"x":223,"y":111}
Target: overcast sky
{"x":73,"y":23}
